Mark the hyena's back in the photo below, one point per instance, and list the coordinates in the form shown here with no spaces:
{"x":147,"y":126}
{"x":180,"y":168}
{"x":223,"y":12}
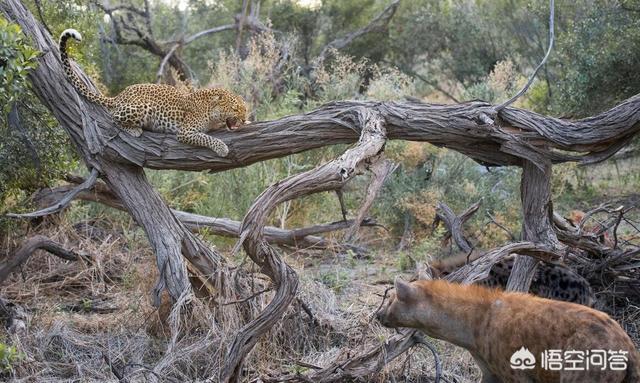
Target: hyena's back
{"x":517,"y":320}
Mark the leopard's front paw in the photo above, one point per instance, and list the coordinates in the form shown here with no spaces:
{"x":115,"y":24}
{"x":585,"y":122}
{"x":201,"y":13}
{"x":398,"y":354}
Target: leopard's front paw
{"x":136,"y":132}
{"x":221,"y":150}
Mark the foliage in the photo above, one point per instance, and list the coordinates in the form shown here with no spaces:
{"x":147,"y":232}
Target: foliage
{"x":503,"y":82}
{"x":598,"y":58}
{"x":9,"y":356}
{"x":16,"y":59}
{"x":474,"y":50}
{"x":336,"y":279}
{"x":272,"y":97}
{"x":33,"y":151}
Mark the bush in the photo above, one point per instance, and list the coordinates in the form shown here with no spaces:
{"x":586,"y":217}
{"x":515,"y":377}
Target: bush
{"x":34,"y":150}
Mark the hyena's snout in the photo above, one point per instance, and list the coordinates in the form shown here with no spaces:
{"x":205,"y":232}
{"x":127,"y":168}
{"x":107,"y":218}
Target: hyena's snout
{"x":382,"y":317}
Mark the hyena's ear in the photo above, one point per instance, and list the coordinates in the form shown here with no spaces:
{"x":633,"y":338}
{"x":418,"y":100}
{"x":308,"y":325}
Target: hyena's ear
{"x":404,"y":291}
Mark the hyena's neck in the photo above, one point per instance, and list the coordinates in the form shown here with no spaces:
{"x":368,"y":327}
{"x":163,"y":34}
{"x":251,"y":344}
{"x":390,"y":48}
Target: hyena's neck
{"x":458,"y":313}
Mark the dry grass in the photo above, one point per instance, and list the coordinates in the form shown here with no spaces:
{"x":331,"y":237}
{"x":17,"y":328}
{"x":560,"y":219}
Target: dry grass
{"x":93,"y":321}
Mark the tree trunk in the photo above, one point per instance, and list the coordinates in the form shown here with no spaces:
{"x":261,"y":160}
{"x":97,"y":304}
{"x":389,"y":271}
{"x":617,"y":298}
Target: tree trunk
{"x":537,"y":213}
{"x":89,"y":127}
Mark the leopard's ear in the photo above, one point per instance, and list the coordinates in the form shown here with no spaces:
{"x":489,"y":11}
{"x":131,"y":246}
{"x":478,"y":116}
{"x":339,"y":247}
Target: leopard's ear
{"x":404,"y":290}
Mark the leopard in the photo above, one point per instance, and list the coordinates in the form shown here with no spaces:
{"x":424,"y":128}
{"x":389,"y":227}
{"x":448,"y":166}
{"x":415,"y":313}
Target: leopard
{"x":551,"y":280}
{"x":187,"y":113}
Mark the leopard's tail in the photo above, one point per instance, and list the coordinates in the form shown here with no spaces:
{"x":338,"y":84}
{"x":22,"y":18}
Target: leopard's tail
{"x":78,"y":84}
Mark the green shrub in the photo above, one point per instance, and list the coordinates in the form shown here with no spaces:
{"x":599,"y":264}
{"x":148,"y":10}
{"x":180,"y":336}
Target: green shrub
{"x":34,"y":150}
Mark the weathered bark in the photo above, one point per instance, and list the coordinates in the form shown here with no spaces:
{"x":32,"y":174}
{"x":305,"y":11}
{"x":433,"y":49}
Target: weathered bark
{"x":86,"y":123}
{"x":453,"y":223}
{"x":520,"y":135}
{"x":510,"y":136}
{"x":537,"y":212}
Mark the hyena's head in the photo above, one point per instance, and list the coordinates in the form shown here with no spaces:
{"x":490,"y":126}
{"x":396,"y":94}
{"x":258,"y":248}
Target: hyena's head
{"x":404,"y":305}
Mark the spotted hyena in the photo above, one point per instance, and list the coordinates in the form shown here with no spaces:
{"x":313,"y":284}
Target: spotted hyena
{"x":495,"y":326}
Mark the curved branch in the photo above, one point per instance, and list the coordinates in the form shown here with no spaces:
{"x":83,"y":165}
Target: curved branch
{"x":65,"y":201}
{"x":479,"y":269}
{"x":28,"y":247}
{"x":544,"y":60}
{"x":330,"y":176}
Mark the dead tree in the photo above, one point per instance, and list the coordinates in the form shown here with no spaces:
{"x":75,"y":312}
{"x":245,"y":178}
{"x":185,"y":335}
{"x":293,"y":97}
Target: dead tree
{"x":491,"y":136}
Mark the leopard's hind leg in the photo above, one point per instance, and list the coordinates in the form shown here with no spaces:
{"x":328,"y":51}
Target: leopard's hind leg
{"x":195,"y":138}
{"x":131,"y":119}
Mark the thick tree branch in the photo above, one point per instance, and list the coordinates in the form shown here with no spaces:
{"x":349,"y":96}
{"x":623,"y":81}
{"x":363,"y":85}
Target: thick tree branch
{"x":84,"y":123}
{"x":521,"y":134}
{"x":537,"y":211}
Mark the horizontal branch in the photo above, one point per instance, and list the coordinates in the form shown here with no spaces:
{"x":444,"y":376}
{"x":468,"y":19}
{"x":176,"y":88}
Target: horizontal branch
{"x":519,"y":134}
{"x":479,"y":269}
{"x":522,"y":135}
{"x":301,"y":238}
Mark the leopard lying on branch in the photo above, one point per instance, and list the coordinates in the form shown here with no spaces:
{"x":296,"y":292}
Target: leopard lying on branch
{"x":165,"y":108}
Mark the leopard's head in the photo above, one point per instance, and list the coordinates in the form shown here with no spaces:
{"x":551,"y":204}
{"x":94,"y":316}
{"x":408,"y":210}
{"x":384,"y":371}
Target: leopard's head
{"x":234,"y":110}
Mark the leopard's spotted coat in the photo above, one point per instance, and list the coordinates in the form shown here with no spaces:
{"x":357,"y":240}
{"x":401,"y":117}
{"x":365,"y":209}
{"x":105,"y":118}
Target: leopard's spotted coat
{"x":552,"y":281}
{"x":165,"y":108}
